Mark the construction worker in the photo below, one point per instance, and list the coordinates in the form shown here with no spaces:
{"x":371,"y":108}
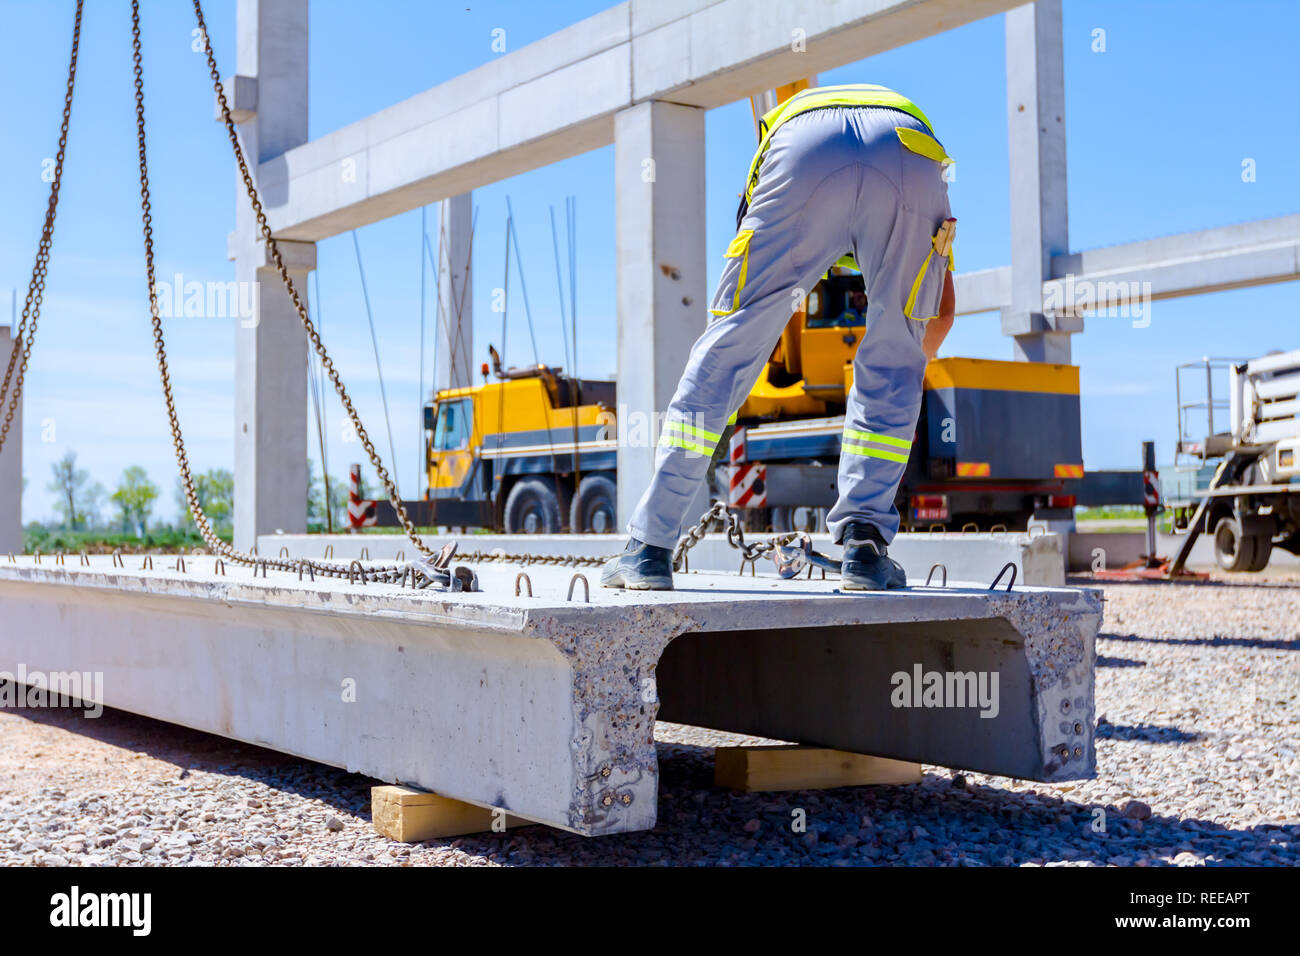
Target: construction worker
{"x":839,"y":169}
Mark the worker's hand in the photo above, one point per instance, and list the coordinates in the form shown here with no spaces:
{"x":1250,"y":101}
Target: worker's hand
{"x":937,"y":329}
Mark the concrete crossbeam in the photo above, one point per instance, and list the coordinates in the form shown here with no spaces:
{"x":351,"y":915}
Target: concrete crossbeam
{"x":1190,"y":263}
{"x":985,"y":290}
{"x":1237,"y":256}
{"x":545,"y":707}
{"x":558,"y":97}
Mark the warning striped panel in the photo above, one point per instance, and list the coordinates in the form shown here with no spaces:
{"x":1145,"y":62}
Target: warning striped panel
{"x":748,"y":487}
{"x":973,"y":469}
{"x":1069,"y":471}
{"x":361,"y":512}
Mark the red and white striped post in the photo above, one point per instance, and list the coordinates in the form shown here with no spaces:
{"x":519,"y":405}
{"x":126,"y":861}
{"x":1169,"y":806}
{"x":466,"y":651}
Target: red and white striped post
{"x":361,"y":513}
{"x":747,"y":485}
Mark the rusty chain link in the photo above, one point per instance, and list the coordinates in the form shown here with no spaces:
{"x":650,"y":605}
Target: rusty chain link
{"x":387,"y":573}
{"x":560,"y":560}
{"x":752,"y":551}
{"x":24,"y":335}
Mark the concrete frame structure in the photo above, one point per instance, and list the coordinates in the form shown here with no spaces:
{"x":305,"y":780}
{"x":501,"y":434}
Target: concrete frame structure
{"x":545,"y":707}
{"x":628,"y":75}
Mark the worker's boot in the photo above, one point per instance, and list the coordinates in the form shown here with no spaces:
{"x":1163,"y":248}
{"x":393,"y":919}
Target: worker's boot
{"x":641,"y":567}
{"x":866,"y":565}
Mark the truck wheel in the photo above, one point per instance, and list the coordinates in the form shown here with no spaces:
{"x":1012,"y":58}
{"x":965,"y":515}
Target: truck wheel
{"x":801,"y":518}
{"x":595,"y":506}
{"x":1263,"y":550}
{"x":1234,"y":550}
{"x":532,"y":508}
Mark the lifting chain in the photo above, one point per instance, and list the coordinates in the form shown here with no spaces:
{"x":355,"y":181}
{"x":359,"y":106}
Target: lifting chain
{"x":560,"y":560}
{"x":25,"y":335}
{"x":392,"y":574}
{"x":752,"y":551}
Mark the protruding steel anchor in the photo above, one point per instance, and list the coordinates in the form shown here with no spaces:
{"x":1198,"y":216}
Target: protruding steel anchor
{"x":798,"y":554}
{"x":437,"y":570}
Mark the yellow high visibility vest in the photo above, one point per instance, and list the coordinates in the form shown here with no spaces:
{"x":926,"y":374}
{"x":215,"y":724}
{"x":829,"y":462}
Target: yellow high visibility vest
{"x":821,"y":97}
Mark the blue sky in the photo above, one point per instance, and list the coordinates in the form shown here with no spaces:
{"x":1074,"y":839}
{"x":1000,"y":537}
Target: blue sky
{"x":1157,"y":128}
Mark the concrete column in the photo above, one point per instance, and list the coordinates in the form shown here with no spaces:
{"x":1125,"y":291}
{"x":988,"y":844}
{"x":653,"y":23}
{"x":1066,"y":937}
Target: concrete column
{"x":271,"y":397}
{"x":270,"y":348}
{"x":455,"y":363}
{"x":11,"y":467}
{"x":1039,"y":212}
{"x":660,"y":254}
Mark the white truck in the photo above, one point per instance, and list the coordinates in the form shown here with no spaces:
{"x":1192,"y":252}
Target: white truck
{"x":1251,"y":503}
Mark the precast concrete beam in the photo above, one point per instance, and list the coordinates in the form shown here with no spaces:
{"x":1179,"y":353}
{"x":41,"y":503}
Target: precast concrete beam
{"x":545,"y":706}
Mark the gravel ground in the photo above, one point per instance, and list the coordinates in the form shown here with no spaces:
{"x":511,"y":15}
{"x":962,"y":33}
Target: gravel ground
{"x":1198,"y":691}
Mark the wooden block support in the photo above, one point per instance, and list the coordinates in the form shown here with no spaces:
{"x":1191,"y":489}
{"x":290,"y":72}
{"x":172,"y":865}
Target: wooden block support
{"x":787,"y":767}
{"x":410,"y":816}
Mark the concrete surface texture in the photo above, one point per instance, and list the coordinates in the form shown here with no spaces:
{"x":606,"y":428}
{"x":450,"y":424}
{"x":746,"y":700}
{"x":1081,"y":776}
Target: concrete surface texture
{"x":543,"y":706}
{"x":973,"y":559}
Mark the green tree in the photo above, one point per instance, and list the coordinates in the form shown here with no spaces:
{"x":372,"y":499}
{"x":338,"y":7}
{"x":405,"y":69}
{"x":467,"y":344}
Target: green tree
{"x":134,"y":498}
{"x":78,"y":500}
{"x":215,"y":490}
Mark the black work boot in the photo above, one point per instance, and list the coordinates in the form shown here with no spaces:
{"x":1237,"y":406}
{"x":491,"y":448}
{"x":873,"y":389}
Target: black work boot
{"x":641,"y":567}
{"x":866,"y":565}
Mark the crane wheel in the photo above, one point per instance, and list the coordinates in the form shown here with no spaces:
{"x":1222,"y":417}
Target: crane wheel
{"x":595,"y":506}
{"x":532,"y":508}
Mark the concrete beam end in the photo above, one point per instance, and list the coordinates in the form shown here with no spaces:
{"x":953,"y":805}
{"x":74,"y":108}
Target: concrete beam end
{"x":241,"y":97}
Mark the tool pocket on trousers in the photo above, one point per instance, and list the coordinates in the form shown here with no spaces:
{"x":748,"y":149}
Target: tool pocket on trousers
{"x":926,"y":294}
{"x":726,"y":299}
{"x":923,"y":144}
